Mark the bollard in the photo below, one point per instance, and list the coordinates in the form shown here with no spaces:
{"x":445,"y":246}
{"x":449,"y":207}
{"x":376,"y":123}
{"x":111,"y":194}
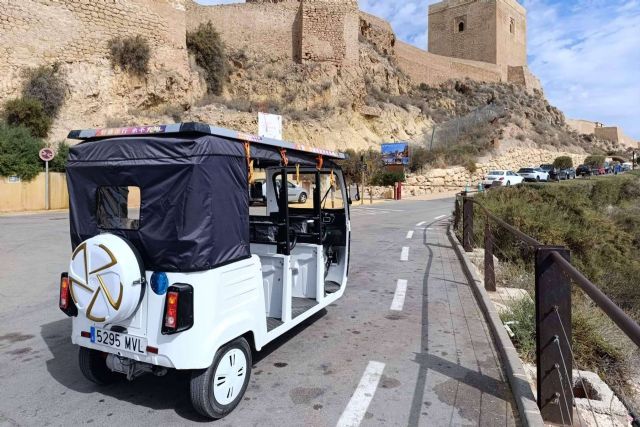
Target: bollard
{"x":553,"y":349}
{"x":467,"y":224}
{"x":489,"y":269}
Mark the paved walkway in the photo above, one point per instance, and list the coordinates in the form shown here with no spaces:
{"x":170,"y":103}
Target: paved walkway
{"x":460,"y":373}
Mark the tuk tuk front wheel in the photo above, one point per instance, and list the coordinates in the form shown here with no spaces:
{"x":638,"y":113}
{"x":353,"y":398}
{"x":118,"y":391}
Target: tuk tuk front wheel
{"x":217,"y":390}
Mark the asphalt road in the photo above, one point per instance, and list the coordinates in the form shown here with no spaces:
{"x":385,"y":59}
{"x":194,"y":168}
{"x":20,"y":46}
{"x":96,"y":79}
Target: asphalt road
{"x":307,"y":377}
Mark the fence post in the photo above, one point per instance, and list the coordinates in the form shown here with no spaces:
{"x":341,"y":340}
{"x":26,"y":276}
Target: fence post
{"x":467,"y":224}
{"x":489,"y":271}
{"x":553,"y":350}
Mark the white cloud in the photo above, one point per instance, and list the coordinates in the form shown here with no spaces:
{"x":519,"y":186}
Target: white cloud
{"x":588,"y":56}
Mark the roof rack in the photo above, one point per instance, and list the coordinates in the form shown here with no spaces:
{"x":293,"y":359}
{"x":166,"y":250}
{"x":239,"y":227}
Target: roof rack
{"x":202,"y":128}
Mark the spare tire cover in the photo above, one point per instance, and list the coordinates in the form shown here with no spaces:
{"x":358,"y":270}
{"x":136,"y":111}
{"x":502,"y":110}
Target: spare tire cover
{"x":105,"y":279}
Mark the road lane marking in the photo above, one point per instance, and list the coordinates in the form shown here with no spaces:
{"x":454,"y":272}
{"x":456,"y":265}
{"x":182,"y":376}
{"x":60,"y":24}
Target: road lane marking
{"x":362,"y":396}
{"x":409,"y":234}
{"x":404,"y":255}
{"x":420,"y":224}
{"x":440,"y":217}
{"x":398,"y":298}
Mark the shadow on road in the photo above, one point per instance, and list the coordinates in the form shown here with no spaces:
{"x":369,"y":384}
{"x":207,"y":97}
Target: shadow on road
{"x":156,"y":393}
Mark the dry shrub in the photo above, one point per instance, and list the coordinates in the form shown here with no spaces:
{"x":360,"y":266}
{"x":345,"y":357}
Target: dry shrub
{"x":131,"y":54}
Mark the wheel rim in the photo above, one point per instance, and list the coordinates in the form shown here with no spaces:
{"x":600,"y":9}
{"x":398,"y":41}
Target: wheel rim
{"x":303,"y":198}
{"x":229,"y":376}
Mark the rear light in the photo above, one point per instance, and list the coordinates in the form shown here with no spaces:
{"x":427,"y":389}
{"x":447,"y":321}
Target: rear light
{"x":501,"y":178}
{"x":178,"y":309}
{"x":153,"y":350}
{"x":85,"y":334}
{"x":171,"y":312}
{"x":65,"y":302}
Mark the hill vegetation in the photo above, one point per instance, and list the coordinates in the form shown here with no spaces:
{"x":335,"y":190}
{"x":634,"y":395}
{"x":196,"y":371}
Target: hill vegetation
{"x":599,"y":221}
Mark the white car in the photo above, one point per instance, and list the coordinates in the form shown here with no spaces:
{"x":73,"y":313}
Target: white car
{"x":171,"y":271}
{"x":533,"y":174}
{"x":499,"y":178}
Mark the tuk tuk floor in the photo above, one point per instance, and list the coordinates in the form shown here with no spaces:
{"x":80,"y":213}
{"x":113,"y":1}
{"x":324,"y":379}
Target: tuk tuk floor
{"x":429,"y":361}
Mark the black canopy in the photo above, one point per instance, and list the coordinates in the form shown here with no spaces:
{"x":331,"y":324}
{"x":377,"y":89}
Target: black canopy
{"x":194,"y":210}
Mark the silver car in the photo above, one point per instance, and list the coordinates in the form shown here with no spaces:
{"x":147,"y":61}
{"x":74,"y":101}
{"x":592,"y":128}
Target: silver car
{"x":295,"y":192}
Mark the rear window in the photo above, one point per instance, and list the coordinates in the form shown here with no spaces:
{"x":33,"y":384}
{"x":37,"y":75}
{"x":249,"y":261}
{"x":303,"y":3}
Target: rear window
{"x":526,"y":170}
{"x":118,"y":208}
{"x":496,"y":173}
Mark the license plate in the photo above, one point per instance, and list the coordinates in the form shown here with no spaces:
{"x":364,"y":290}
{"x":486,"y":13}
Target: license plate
{"x":119,"y":341}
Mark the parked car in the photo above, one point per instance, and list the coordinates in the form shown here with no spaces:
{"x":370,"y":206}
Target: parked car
{"x":295,"y":193}
{"x":598,"y":170}
{"x":584,"y":170}
{"x":569,"y":173}
{"x":533,"y":174}
{"x":499,"y":178}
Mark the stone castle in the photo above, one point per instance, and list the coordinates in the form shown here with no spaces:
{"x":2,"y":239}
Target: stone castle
{"x":484,"y":40}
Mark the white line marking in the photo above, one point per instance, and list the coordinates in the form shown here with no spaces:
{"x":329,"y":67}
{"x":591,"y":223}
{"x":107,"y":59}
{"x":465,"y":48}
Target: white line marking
{"x":362,"y":396}
{"x":409,"y":234}
{"x":398,"y":297}
{"x":440,"y":217}
{"x":404,"y":255}
{"x":420,"y":224}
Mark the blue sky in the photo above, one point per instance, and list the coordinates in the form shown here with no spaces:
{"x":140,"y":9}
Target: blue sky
{"x":585,"y":52}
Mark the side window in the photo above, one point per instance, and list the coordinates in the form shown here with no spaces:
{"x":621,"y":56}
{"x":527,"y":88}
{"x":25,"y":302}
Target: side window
{"x":118,"y":208}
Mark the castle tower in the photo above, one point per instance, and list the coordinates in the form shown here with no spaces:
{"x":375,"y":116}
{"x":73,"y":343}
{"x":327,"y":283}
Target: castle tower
{"x":493,"y":31}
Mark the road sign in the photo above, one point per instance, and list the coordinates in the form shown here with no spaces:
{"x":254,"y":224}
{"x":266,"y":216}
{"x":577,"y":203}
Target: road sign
{"x":47,"y":154}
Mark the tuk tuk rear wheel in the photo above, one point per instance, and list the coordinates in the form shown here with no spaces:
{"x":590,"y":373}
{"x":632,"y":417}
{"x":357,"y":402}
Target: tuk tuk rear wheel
{"x":217,"y":390}
{"x":93,"y":365}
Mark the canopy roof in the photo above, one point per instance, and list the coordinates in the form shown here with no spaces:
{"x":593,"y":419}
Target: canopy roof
{"x":204,"y":129}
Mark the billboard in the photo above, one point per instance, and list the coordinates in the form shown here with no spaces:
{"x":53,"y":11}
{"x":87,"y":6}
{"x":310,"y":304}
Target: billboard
{"x":395,"y":153}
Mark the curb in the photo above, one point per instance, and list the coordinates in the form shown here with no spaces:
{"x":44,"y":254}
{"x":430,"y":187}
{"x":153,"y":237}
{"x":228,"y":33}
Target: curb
{"x":522,"y":394}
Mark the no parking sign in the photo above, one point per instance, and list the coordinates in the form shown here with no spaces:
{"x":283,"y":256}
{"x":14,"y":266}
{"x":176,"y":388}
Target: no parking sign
{"x":46,"y":155}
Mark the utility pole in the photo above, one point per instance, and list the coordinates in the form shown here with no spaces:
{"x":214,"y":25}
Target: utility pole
{"x":363,"y":166}
{"x":633,"y":162}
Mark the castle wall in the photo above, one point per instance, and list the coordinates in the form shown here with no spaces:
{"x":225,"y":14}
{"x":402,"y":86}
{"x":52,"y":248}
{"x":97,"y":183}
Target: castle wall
{"x":511,"y":33}
{"x":266,"y":29}
{"x":476,"y":42}
{"x":425,"y":67}
{"x":378,"y":32}
{"x":330,"y":31}
{"x":75,"y":33}
{"x":584,"y":127}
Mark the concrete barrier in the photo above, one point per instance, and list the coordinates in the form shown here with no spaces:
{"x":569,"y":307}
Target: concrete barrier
{"x":29,"y":196}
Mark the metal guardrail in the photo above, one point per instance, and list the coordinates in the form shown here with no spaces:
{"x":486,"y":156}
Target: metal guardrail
{"x":553,"y":277}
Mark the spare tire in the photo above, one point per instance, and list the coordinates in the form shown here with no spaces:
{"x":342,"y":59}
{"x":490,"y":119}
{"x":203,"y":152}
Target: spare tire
{"x":106,"y":279}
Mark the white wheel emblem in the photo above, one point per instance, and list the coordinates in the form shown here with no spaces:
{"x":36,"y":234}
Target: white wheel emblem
{"x":229,"y":376}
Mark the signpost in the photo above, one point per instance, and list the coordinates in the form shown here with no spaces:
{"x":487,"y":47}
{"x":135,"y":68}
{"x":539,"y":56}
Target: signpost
{"x":46,"y":155}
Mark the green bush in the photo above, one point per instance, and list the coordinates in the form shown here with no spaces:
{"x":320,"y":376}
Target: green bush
{"x":563,"y":162}
{"x":28,"y":113}
{"x":521,"y":320}
{"x":59,"y":162}
{"x":131,"y":54}
{"x":387,"y":178}
{"x":47,"y":85}
{"x":605,"y":192}
{"x":19,"y":152}
{"x":594,"y":161}
{"x":209,"y":51}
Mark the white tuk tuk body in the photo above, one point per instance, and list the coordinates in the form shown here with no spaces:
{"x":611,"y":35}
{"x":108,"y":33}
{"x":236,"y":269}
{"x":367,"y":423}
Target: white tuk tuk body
{"x":130,"y":302}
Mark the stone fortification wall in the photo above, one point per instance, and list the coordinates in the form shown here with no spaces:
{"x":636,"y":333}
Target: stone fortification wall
{"x":524,"y":77}
{"x":270,"y":30}
{"x":75,"y":33}
{"x":610,"y":133}
{"x":378,"y":32}
{"x":492,"y":31}
{"x":425,"y":67}
{"x":330,"y":31}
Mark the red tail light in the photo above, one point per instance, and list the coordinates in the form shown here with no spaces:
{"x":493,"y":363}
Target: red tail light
{"x":501,"y":178}
{"x":171,"y":312}
{"x":178,"y":309}
{"x":63,"y":303}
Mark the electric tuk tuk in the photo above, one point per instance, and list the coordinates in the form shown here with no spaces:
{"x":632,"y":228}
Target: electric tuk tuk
{"x":172,"y":269}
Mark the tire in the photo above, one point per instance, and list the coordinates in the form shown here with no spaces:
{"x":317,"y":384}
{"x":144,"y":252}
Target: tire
{"x":93,"y":365}
{"x":537,"y":179}
{"x":302,"y":198}
{"x":216,"y":402}
{"x":508,"y":183}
